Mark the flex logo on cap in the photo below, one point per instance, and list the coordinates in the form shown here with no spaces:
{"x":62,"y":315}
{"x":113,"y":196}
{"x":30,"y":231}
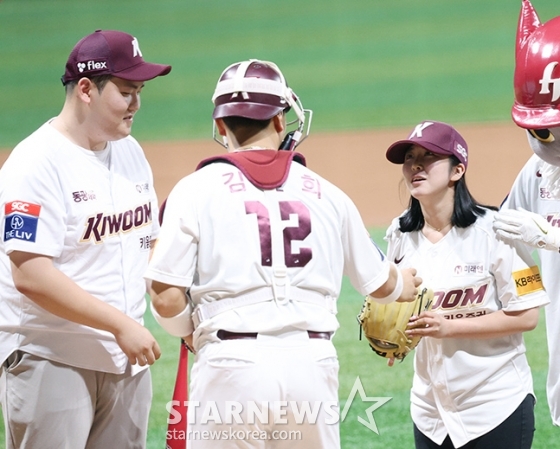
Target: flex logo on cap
{"x":21,"y":220}
{"x":91,"y":66}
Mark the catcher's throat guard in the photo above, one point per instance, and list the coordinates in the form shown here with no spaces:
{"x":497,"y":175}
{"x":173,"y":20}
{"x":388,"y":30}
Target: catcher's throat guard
{"x":384,"y":325}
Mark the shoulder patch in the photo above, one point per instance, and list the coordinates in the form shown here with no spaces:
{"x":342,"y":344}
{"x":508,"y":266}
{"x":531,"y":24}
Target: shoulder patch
{"x":527,"y":280}
{"x":21,"y":220}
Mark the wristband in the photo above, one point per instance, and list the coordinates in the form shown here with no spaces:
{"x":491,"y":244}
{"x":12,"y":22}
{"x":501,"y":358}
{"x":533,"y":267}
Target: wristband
{"x":397,"y":291}
{"x":179,"y":325}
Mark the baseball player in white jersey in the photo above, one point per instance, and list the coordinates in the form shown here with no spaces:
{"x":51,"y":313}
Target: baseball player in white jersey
{"x":472,"y":385}
{"x":260,"y":243}
{"x":78,"y":214}
{"x":531,"y":212}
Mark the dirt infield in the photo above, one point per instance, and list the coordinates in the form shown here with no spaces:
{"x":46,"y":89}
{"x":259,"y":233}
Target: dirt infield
{"x":355,"y":161}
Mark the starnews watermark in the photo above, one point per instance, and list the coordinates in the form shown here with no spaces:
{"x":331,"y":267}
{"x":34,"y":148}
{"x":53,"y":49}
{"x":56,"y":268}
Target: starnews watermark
{"x":253,"y":413}
{"x":234,"y":434}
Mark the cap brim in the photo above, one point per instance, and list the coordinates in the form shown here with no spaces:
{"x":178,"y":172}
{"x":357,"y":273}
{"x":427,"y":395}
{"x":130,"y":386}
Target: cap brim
{"x":535,"y":118}
{"x":143,"y":72}
{"x":396,"y":151}
{"x":253,"y":111}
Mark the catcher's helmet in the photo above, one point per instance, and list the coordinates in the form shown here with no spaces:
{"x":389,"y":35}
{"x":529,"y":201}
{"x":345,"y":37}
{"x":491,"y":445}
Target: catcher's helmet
{"x":537,"y":71}
{"x":256,"y":90}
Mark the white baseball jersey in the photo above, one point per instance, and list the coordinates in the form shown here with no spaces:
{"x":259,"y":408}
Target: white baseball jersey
{"x":95,"y":214}
{"x":466,"y":387}
{"x":528,"y":192}
{"x":223,"y":238}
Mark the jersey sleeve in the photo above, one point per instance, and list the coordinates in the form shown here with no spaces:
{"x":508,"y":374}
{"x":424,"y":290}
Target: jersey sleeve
{"x":518,"y":281}
{"x":173,"y":261}
{"x":32,"y":204}
{"x":365,"y":263}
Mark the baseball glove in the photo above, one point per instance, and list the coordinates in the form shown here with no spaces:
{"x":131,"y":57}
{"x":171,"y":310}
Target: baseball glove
{"x":384,"y":324}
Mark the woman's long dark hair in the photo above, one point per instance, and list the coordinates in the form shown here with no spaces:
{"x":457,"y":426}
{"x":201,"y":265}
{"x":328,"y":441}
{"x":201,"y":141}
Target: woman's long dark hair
{"x":466,"y":209}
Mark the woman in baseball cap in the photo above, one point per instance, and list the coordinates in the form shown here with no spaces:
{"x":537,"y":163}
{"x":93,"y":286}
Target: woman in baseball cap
{"x":472,"y":384}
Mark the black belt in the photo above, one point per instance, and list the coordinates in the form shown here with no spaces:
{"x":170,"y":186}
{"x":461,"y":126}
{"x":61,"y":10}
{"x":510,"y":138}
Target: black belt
{"x":227,"y":335}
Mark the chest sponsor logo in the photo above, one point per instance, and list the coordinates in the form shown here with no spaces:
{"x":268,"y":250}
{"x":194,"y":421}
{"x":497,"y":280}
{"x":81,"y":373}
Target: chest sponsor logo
{"x":143,"y":187}
{"x":82,"y":195}
{"x":544,"y":194}
{"x":100,"y":226}
{"x":460,"y":298}
{"x":470,"y":268}
{"x":21,"y":220}
{"x":528,"y":280}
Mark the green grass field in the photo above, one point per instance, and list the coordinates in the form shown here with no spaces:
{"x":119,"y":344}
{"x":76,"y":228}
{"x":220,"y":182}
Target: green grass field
{"x":358,"y":63}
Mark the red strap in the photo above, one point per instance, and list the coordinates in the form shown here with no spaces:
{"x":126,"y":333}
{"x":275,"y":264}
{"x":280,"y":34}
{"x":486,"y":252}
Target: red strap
{"x":266,"y":169}
{"x":176,"y":437}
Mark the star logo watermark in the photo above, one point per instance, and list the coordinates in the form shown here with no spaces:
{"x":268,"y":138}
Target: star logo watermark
{"x":378,"y":402}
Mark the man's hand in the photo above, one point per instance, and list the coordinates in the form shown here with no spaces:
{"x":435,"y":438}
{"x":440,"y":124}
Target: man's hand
{"x":411,"y":282}
{"x":528,"y":227}
{"x":137,"y":343}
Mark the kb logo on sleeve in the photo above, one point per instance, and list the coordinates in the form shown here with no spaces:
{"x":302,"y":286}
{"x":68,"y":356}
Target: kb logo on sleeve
{"x":21,"y":220}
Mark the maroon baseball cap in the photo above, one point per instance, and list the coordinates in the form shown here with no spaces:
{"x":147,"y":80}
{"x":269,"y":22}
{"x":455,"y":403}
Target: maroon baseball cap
{"x":110,"y":53}
{"x":438,"y":137}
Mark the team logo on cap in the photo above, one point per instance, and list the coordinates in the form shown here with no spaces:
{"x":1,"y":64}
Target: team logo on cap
{"x":417,"y":132}
{"x":136,"y":48}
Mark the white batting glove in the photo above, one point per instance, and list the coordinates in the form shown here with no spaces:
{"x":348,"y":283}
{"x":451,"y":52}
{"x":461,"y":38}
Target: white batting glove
{"x":528,"y":227}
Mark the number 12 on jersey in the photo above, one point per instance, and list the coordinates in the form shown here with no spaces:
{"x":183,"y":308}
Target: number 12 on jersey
{"x":290,"y":233}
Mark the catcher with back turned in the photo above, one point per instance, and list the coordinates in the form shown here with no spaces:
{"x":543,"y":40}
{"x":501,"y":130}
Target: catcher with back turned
{"x":472,"y":385}
{"x":261,"y":244}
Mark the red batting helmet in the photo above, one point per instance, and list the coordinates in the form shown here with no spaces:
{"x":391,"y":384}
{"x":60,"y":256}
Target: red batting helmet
{"x":537,"y":71}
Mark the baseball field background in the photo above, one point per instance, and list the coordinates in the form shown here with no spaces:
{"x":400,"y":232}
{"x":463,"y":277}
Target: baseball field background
{"x":369,"y":69}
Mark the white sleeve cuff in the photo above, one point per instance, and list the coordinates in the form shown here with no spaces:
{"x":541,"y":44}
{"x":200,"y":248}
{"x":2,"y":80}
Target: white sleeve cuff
{"x":180,"y":325}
